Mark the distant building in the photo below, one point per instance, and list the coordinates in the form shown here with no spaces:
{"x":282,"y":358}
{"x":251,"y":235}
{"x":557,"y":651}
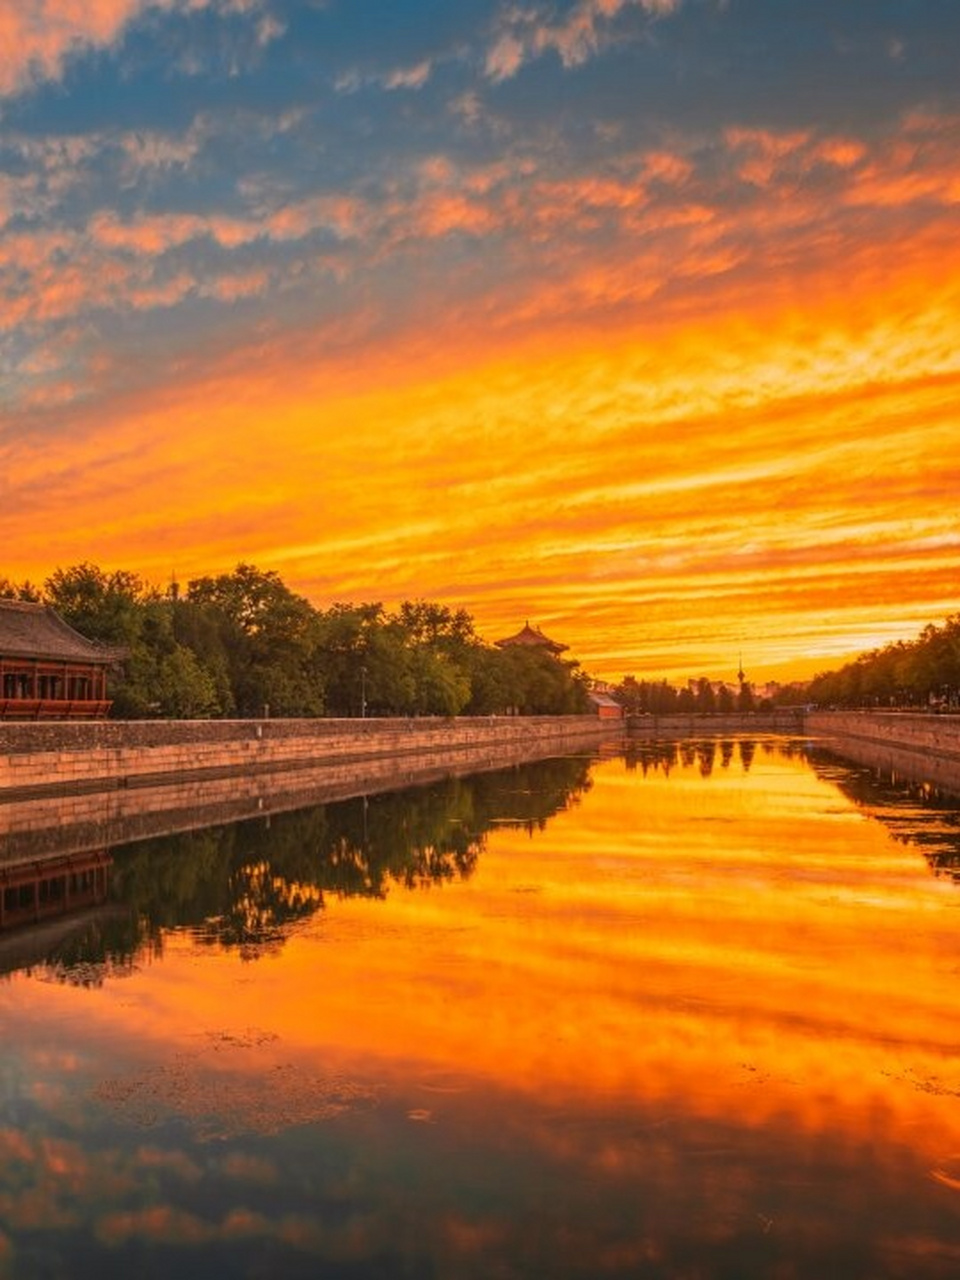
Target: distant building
{"x":604,"y":706}
{"x":532,"y":638}
{"x":48,"y":671}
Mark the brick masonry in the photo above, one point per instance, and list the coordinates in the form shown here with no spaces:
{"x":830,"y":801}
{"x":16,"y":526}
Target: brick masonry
{"x":106,"y":754}
{"x":932,"y":735}
{"x":918,"y":746}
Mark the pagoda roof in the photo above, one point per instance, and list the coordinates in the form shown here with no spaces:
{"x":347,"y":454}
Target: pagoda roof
{"x":533,"y":638}
{"x":29,"y":630}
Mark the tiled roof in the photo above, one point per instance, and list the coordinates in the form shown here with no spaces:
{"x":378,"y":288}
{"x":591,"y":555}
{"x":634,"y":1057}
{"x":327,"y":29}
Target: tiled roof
{"x":30,"y":630}
{"x":534,"y":638}
{"x":603,"y":700}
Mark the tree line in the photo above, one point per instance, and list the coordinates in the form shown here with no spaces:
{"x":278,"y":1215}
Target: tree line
{"x":244,"y":644}
{"x":924,"y":672}
{"x":909,"y":673}
{"x":660,"y":698}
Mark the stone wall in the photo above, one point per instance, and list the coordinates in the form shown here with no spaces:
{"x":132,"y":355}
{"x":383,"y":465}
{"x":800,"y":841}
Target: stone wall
{"x":932,"y":736}
{"x":58,"y":757}
{"x":36,"y":825}
{"x":694,"y":725}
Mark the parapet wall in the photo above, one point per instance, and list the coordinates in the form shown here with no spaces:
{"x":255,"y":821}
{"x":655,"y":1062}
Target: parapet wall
{"x":708,"y":725}
{"x":933,"y":736}
{"x":112,"y":753}
{"x":910,"y":746}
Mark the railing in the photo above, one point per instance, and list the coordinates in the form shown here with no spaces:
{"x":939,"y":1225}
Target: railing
{"x":53,"y":708}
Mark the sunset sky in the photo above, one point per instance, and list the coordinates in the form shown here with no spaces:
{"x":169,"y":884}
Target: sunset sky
{"x":636,"y":318}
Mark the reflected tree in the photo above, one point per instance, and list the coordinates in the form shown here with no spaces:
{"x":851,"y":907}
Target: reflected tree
{"x":915,"y":813}
{"x":245,"y":886}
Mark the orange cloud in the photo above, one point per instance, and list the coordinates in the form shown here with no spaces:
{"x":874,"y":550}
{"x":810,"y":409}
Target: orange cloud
{"x":741,"y":414}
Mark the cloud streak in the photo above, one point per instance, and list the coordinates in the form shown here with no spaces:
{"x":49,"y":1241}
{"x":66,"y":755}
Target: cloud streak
{"x":600,"y":347}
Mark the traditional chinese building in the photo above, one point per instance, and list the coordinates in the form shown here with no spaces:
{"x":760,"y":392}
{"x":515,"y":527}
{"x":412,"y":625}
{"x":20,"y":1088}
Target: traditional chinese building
{"x":604,"y":705}
{"x":533,"y":638}
{"x":48,"y":671}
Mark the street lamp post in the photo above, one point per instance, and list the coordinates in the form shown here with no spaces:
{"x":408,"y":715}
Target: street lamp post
{"x":363,"y":693}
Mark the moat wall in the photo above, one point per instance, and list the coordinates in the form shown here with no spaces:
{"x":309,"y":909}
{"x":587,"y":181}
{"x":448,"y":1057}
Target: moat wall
{"x":933,"y":735}
{"x":918,"y":746}
{"x":709,"y":725}
{"x":57,"y":757}
{"x":257,"y":762}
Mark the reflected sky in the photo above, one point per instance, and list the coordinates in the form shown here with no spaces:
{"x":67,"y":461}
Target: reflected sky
{"x":688,"y":1012}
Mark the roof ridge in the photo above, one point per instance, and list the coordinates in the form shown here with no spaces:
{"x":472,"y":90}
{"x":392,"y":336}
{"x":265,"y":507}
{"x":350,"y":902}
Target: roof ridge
{"x":31,"y":628}
{"x":9,"y":602}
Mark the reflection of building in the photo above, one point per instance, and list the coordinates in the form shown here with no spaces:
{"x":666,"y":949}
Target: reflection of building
{"x":31,"y":892}
{"x":532,"y":638}
{"x":48,"y":670}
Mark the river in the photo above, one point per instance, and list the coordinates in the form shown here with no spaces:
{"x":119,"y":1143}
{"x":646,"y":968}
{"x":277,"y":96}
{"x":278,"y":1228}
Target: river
{"x":688,"y":1009}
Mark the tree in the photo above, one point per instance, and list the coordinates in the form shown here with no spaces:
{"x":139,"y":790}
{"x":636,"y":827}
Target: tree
{"x":359,"y":662}
{"x":435,"y":626}
{"x":706,"y":699}
{"x":271,"y":638}
{"x":537,"y":683}
{"x":725,"y":699}
{"x":102,"y":606}
{"x":25,"y":590}
{"x":440,"y":687}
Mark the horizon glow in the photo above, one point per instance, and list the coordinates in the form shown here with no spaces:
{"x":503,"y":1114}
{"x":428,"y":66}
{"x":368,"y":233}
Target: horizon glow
{"x":640,"y":320}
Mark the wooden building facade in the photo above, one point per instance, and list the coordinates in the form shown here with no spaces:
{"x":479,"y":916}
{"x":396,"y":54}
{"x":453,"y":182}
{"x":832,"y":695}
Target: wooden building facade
{"x":48,"y":671}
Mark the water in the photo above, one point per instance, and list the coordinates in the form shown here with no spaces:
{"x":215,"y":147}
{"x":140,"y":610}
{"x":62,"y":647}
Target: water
{"x":689,"y":1012}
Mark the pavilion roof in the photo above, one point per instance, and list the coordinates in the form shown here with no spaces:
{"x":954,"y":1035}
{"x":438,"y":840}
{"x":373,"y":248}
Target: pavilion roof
{"x":532,"y":637}
{"x":603,"y":699}
{"x":29,"y":630}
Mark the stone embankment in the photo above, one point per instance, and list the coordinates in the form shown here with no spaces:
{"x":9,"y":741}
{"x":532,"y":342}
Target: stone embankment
{"x":39,"y":825}
{"x":58,"y":757}
{"x":916,"y":745}
{"x":933,"y":735}
{"x":694,"y":725}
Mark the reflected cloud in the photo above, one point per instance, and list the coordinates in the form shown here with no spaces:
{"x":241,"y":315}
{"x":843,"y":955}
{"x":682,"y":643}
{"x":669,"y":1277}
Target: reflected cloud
{"x":784,"y":959}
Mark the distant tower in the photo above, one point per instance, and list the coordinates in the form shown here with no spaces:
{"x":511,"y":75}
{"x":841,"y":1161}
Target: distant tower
{"x":741,"y":674}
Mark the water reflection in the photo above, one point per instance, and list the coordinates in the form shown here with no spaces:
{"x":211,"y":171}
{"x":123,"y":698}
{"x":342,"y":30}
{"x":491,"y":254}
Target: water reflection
{"x":665,"y":754}
{"x":915,"y":811}
{"x":688,"y":1013}
{"x":244,"y":885}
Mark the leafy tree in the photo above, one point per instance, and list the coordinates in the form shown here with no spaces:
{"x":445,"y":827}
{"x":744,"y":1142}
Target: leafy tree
{"x":203,"y":632}
{"x":490,"y":685}
{"x":726,"y":702}
{"x":440,"y":687}
{"x":537,"y":683}
{"x":103,"y":606}
{"x":360,"y":662}
{"x":25,"y":590}
{"x":686,"y":702}
{"x":706,"y":699}
{"x":271,"y":637}
{"x":435,"y":626}
{"x":160,"y":676}
{"x":907,"y":673}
